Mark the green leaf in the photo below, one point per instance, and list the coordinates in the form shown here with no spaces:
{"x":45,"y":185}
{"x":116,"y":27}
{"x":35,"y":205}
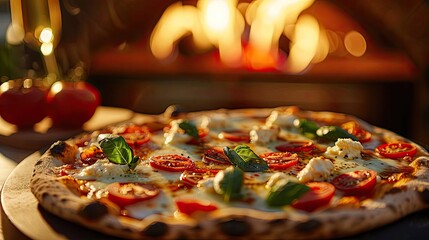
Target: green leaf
{"x":229,"y":182}
{"x":244,"y":158}
{"x":190,"y":129}
{"x":332,"y":133}
{"x":306,"y":127}
{"x":284,"y":193}
{"x":118,"y":151}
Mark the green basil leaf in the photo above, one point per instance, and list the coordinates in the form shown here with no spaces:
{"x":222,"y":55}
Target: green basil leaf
{"x":118,"y":151}
{"x":284,"y":193}
{"x":244,"y":158}
{"x":306,"y":127}
{"x":332,"y":133}
{"x":229,"y":182}
{"x":190,"y":129}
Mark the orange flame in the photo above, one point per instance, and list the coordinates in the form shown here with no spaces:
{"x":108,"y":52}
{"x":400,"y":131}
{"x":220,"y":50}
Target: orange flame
{"x":220,"y":24}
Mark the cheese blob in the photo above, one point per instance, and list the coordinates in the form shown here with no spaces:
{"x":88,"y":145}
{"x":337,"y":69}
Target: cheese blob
{"x":317,"y":169}
{"x":345,"y":148}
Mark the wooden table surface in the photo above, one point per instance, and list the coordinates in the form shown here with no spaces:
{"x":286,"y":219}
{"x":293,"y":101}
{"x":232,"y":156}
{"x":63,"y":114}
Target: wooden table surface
{"x":15,"y":146}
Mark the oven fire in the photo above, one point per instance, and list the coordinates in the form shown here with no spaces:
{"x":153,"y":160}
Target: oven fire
{"x":250,"y":34}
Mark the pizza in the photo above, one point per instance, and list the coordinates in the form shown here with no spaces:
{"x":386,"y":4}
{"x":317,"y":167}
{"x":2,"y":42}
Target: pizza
{"x":272,"y":173}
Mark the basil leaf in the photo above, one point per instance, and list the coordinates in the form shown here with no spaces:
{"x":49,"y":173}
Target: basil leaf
{"x":229,"y":182}
{"x":244,"y":158}
{"x":118,"y":151}
{"x":190,"y":129}
{"x":332,"y":133}
{"x":285,"y":192}
{"x":306,"y":127}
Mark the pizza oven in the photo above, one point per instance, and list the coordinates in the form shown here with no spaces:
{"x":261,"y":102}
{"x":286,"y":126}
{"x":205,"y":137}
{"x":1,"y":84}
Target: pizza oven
{"x":362,"y":57}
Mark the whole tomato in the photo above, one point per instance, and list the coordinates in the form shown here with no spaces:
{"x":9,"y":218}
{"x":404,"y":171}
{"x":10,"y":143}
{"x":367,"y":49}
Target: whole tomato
{"x":23,"y":102}
{"x":71,"y":104}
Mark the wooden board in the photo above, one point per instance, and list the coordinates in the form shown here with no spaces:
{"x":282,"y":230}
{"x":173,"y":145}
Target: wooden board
{"x":22,"y":217}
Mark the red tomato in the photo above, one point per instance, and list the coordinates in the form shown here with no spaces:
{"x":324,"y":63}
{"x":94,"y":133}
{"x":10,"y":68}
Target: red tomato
{"x":215,"y":155}
{"x":357,"y":183}
{"x":354,"y":129}
{"x":22,"y":103}
{"x":71,"y":104}
{"x":192,"y":177}
{"x":91,"y":155}
{"x":296,"y":146}
{"x":171,"y":163}
{"x":396,"y":150}
{"x":320,"y":195}
{"x":189,"y":206}
{"x":280,"y":160}
{"x":124,"y":194}
{"x":235,"y":136}
{"x":136,"y":135}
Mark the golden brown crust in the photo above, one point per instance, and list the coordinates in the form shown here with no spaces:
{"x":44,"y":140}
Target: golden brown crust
{"x":60,"y":197}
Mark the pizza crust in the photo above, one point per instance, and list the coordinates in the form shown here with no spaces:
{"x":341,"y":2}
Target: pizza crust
{"x":407,"y":196}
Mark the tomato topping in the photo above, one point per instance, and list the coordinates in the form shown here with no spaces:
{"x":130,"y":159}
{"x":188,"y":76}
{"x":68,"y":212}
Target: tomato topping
{"x":396,"y":150}
{"x":124,"y":194}
{"x":91,"y":155}
{"x":320,"y":195}
{"x":280,"y":160}
{"x":354,"y":129}
{"x":136,"y":135}
{"x":192,"y":177}
{"x":356,"y":183}
{"x":235,"y":136}
{"x":296,"y":146}
{"x":171,"y":163}
{"x":190,"y":206}
{"x":215,"y":155}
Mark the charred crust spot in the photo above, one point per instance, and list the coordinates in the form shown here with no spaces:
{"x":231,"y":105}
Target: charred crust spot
{"x":395,"y":190}
{"x":424,"y":195}
{"x":38,"y":162}
{"x":423,"y":162}
{"x":45,"y":195}
{"x":234,"y":227}
{"x":58,"y":148}
{"x":277,"y":222}
{"x":156,"y":229}
{"x":93,"y":211}
{"x":392,"y":208}
{"x":309,"y":225}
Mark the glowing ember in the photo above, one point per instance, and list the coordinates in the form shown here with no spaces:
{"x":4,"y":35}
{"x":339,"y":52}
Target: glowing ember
{"x":222,"y":24}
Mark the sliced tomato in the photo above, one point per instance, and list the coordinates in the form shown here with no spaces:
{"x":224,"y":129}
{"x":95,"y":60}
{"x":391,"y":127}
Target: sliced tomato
{"x":235,"y":135}
{"x":356,"y":130}
{"x":124,"y":194}
{"x":280,"y":160}
{"x":296,"y":146}
{"x":396,"y":150}
{"x":320,"y":195}
{"x":356,"y":183}
{"x":215,"y":155}
{"x":136,"y":135}
{"x":171,"y":162}
{"x":91,"y":155}
{"x":190,"y":206}
{"x":191,"y":177}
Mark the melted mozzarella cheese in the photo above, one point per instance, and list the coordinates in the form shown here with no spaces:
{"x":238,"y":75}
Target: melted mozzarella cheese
{"x":103,"y":168}
{"x":279,"y":119}
{"x":317,"y":169}
{"x":345,"y":148}
{"x":263,"y":134}
{"x":175,"y":135}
